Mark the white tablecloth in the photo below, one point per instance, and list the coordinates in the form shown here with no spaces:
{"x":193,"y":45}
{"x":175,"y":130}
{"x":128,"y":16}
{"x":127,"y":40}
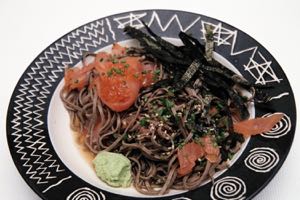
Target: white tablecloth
{"x":27,"y":27}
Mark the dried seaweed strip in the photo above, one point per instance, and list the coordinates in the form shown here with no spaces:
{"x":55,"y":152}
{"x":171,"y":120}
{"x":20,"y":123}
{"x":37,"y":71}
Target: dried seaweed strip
{"x":209,"y":45}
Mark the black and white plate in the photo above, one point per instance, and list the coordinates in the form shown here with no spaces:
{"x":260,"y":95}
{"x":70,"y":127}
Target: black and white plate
{"x":41,"y":142}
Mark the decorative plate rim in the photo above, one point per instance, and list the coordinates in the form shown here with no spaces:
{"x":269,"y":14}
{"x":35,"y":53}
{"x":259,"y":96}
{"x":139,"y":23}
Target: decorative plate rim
{"x":10,"y":123}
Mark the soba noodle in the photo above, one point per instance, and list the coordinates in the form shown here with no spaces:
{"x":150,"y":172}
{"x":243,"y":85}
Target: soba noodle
{"x":151,"y":131}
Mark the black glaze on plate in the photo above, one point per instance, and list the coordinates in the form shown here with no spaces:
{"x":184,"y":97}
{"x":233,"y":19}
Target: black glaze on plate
{"x":43,"y":170}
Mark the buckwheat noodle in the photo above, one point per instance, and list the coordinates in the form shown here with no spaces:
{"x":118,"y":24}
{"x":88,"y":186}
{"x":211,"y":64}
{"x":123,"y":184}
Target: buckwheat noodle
{"x":152,"y":149}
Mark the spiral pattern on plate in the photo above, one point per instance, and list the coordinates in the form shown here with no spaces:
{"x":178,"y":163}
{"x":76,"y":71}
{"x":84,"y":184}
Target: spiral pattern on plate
{"x":280,"y":129}
{"x":85,"y":194}
{"x":262,"y":159}
{"x":229,"y":187}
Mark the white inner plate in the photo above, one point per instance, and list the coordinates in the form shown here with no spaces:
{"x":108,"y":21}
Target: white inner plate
{"x":63,"y":139}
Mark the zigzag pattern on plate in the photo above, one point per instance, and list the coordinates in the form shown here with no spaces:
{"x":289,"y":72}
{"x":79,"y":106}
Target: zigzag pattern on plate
{"x":33,"y":94}
{"x":134,"y":19}
{"x":258,"y":67}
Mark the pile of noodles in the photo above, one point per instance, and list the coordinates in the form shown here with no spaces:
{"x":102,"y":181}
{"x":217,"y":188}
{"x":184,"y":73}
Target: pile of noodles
{"x":149,"y":133}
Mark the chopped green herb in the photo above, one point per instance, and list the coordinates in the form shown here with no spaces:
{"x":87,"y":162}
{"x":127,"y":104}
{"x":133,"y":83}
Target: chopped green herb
{"x":144,"y":122}
{"x":109,"y":73}
{"x":126,"y":65}
{"x":144,"y":72}
{"x":245,"y":99}
{"x":191,"y":121}
{"x":125,"y":136}
{"x":220,"y":106}
{"x":220,"y":137}
{"x":215,"y":144}
{"x":114,"y":70}
{"x":118,"y":71}
{"x":161,"y":112}
{"x":114,"y":61}
{"x":167,"y":103}
{"x":123,"y":61}
{"x":145,"y":98}
{"x":155,"y":78}
{"x":180,"y":145}
{"x":170,"y":93}
{"x":157,"y":72}
{"x":166,"y":117}
{"x":230,"y":155}
{"x":205,"y":132}
{"x":192,"y":117}
{"x":172,"y":90}
{"x":178,"y":142}
{"x":199,"y":141}
{"x":176,"y":119}
{"x":136,"y":75}
{"x":196,"y":137}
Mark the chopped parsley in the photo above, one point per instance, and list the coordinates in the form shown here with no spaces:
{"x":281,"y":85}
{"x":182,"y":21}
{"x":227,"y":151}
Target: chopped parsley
{"x":191,"y":121}
{"x":167,"y":103}
{"x":145,"y":98}
{"x":114,"y":71}
{"x":144,"y":122}
{"x":118,"y":71}
{"x":220,"y":137}
{"x":114,"y":61}
{"x":220,"y":106}
{"x":155,"y":78}
{"x":160,"y":112}
{"x":136,"y":75}
{"x":165,"y":113}
{"x":109,"y":73}
{"x":180,"y":145}
{"x":215,"y":144}
{"x":157,"y":71}
{"x":156,"y":74}
{"x":125,"y":136}
{"x":245,"y":99}
{"x":230,"y":155}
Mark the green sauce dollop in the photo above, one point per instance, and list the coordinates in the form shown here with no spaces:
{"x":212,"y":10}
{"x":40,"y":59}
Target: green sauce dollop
{"x":113,"y":168}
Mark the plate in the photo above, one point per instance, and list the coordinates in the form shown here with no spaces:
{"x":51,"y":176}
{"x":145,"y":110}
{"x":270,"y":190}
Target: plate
{"x":41,"y":143}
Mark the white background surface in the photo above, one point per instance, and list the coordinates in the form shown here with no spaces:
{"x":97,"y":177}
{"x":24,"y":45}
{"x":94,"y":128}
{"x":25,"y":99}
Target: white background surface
{"x":28,"y":27}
